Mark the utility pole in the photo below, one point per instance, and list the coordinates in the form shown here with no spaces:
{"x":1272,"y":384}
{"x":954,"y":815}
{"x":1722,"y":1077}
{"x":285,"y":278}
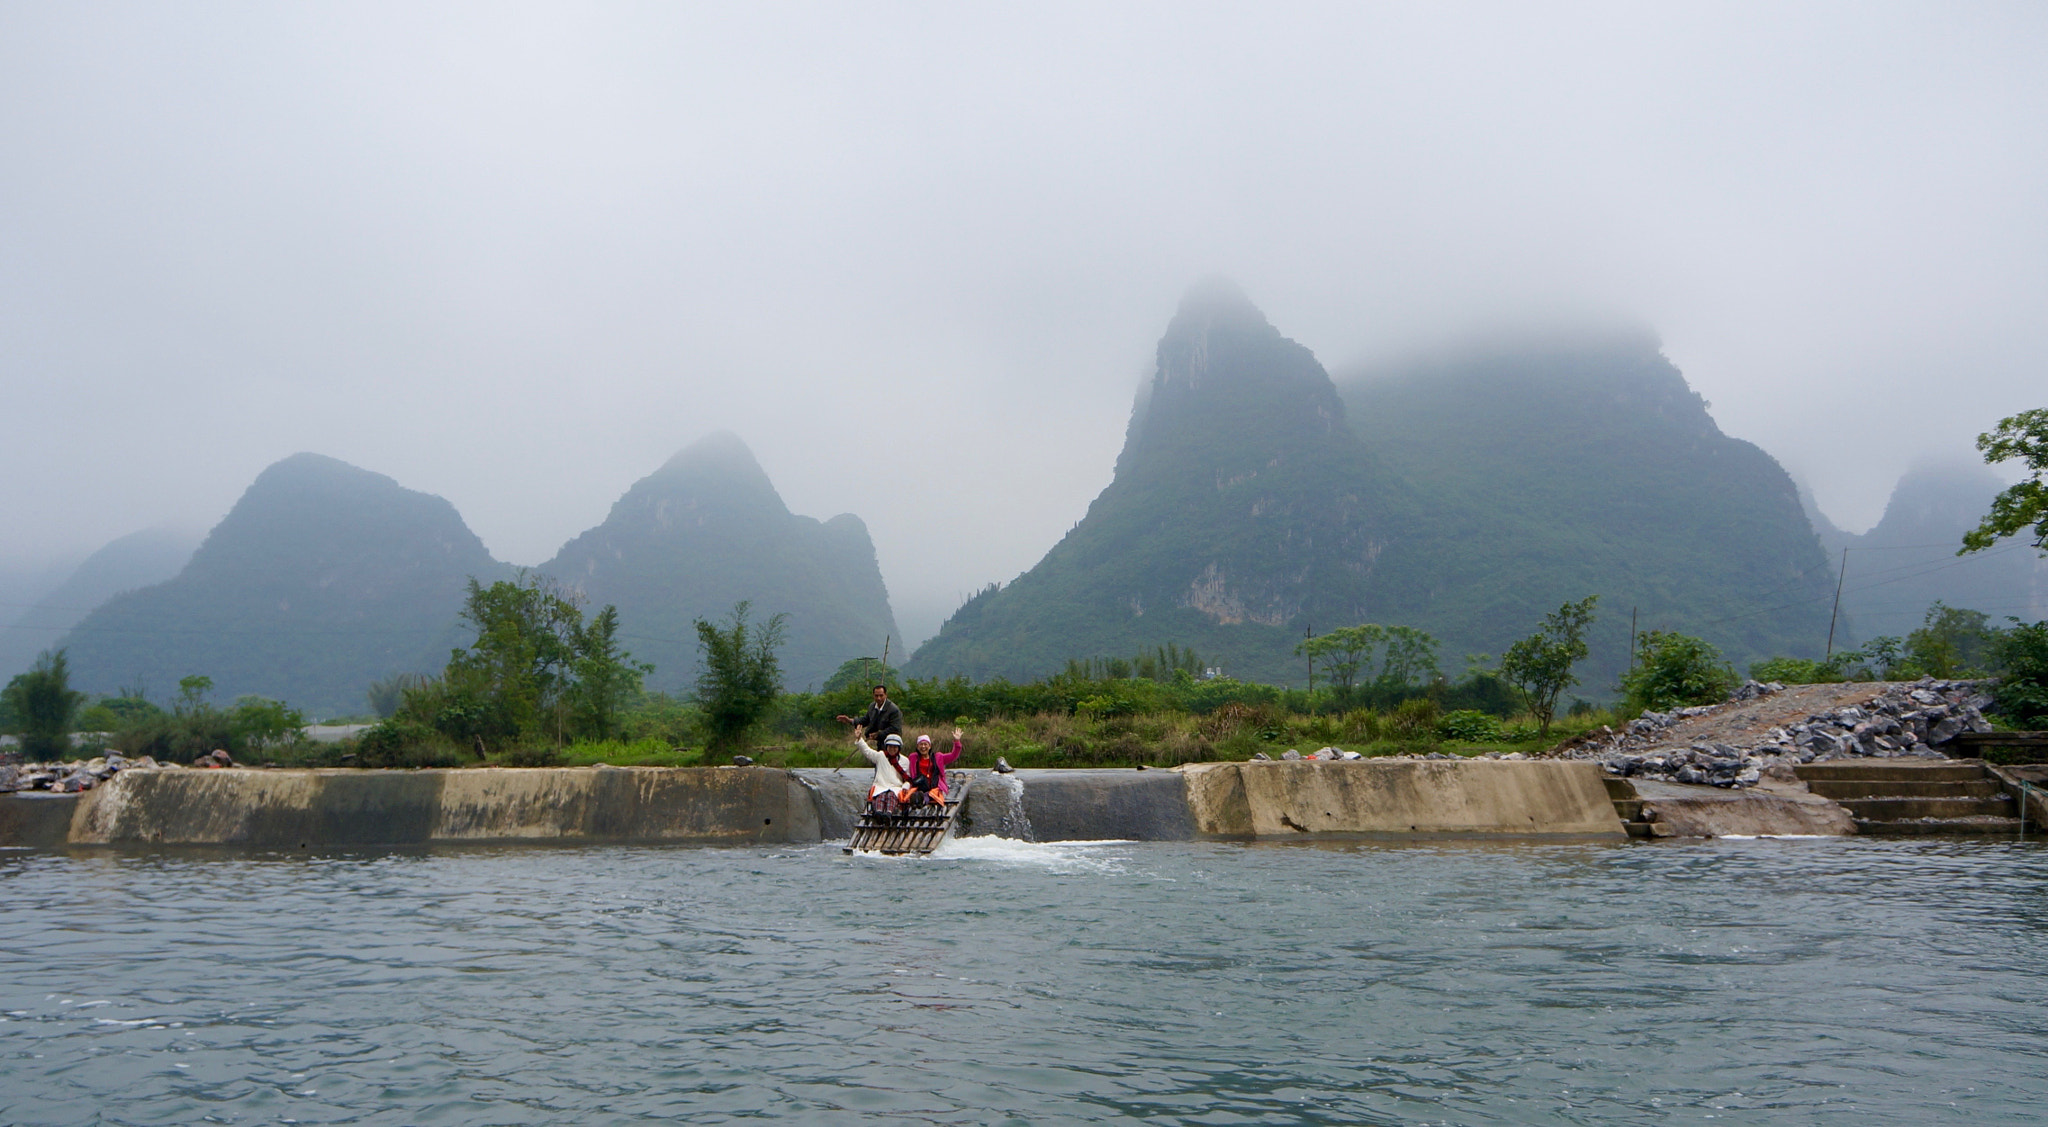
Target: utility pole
{"x":1631,"y":639}
{"x":1308,"y":631}
{"x":1833,"y":614}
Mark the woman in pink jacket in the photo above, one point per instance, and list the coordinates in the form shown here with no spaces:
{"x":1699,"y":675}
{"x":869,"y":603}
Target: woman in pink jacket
{"x":927,"y":773}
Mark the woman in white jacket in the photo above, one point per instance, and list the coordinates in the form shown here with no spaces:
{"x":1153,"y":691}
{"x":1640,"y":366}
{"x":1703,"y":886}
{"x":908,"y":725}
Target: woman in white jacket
{"x":888,"y":773}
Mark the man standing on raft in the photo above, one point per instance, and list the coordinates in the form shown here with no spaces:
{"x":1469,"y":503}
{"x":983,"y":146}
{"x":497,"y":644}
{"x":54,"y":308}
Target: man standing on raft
{"x":882,"y":720}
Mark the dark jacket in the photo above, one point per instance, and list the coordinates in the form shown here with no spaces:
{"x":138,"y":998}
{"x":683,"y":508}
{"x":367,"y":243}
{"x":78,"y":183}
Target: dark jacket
{"x":880,"y":720}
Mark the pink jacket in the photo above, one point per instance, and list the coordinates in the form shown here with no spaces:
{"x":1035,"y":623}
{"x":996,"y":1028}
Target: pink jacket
{"x":940,"y":761}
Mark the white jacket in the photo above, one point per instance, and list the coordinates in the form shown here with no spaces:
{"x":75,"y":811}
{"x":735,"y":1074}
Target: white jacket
{"x":886,"y":775}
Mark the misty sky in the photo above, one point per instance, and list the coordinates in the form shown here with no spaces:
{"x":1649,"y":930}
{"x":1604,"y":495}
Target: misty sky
{"x":518,"y":255}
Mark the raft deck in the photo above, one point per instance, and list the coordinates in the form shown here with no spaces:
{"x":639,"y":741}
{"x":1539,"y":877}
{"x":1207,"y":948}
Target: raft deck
{"x":914,"y":832}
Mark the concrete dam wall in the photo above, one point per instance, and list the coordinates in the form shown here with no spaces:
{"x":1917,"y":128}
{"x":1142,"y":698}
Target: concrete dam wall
{"x":295,"y":809}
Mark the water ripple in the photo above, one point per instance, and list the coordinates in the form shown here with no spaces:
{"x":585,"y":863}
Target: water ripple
{"x":1891,"y":982}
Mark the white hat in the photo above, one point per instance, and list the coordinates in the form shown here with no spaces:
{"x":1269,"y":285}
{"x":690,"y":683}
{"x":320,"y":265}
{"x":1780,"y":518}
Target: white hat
{"x":923,"y":740}
{"x":892,"y":740}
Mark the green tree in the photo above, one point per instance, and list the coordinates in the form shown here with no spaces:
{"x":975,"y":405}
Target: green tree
{"x":741,"y":675}
{"x":2022,"y":691}
{"x":1409,"y":659}
{"x":259,"y":722}
{"x":1676,"y":670}
{"x":536,"y":671}
{"x":44,"y":706}
{"x":2025,"y":504}
{"x":607,"y":677}
{"x":192,"y":695}
{"x":1952,"y":642}
{"x":1540,"y":665}
{"x":1397,"y":658}
{"x":1343,"y":651}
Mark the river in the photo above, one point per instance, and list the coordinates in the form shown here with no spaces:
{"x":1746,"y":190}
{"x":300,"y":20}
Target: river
{"x":1783,"y":981}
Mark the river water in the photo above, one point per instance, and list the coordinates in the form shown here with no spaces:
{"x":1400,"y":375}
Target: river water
{"x":1835,"y":981}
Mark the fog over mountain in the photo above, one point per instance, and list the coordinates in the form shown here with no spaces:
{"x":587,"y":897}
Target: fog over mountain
{"x":919,"y":255}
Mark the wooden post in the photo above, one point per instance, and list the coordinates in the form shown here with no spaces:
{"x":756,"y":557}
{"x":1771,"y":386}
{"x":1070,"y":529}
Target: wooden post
{"x":1833,"y":614}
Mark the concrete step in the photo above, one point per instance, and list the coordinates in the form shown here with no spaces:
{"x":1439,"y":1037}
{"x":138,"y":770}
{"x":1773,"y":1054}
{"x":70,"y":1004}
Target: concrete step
{"x":1628,"y":809}
{"x":1907,"y":809}
{"x":1618,"y":788}
{"x":1895,"y":770}
{"x":1977,"y":827}
{"x":1838,"y":789}
{"x":1647,"y":829}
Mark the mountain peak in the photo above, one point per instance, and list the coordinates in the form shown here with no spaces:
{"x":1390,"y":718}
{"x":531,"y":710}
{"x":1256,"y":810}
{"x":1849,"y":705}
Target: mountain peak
{"x":719,"y":471}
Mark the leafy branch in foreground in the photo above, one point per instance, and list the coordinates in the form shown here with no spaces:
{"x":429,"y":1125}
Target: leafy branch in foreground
{"x":2023,"y":505}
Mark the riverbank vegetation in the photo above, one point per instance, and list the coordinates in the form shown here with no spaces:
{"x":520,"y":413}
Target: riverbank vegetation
{"x":542,"y":684}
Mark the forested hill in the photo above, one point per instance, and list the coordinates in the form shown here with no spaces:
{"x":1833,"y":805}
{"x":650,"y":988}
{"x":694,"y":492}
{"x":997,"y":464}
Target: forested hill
{"x":1464,"y":495}
{"x":1242,"y":507}
{"x":136,"y":560}
{"x":707,"y":530}
{"x":1553,"y":469}
{"x":321,"y":579}
{"x":1908,"y":559}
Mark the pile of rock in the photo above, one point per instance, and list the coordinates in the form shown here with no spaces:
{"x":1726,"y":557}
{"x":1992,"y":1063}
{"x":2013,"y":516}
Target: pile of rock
{"x":1902,"y":720}
{"x":72,"y":777}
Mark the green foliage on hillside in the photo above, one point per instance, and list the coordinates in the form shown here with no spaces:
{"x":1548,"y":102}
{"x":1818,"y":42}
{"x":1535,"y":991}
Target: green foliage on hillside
{"x":1548,"y":470}
{"x":1242,"y":511}
{"x":1463,"y":498}
{"x":321,"y":579}
{"x":708,"y":530}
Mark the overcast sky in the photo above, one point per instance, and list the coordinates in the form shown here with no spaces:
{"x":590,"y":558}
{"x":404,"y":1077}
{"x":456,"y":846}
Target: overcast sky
{"x":518,"y":255}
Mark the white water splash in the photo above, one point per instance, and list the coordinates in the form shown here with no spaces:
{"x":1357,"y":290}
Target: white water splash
{"x":1056,"y":856}
{"x":1007,"y":792}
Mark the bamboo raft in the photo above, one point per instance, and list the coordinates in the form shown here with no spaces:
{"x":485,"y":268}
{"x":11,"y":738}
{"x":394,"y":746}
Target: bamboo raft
{"x":914,"y":832}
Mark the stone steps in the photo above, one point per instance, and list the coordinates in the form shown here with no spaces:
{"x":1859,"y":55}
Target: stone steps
{"x":1917,"y":799}
{"x":1864,"y":770}
{"x":1917,"y":808}
{"x":1942,"y":826}
{"x":1844,"y":789}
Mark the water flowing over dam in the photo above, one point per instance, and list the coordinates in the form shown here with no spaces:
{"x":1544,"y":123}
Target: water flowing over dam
{"x":304,"y":809}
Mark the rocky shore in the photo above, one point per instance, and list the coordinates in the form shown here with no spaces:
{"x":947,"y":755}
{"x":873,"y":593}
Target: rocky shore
{"x":85,"y":774}
{"x":1686,"y":745}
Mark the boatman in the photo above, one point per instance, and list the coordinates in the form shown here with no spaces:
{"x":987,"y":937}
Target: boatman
{"x":882,"y":719}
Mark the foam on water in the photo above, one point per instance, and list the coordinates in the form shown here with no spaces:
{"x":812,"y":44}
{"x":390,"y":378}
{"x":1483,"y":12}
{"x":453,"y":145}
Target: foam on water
{"x":1058,"y":857}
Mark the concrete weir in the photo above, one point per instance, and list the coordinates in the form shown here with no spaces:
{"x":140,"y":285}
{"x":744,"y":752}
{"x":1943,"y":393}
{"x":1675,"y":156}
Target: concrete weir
{"x":1286,"y":801}
{"x":1405,"y":798}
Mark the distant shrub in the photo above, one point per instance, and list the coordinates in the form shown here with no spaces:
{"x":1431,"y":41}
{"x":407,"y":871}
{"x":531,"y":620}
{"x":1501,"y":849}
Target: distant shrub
{"x":1469,"y":726}
{"x":1676,"y":670}
{"x":402,"y":742}
{"x":1413,"y":721}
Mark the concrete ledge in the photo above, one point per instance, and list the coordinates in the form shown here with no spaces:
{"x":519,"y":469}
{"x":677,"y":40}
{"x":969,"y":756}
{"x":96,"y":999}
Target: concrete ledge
{"x":303,"y":809}
{"x":36,"y":820}
{"x":1379,"y":798}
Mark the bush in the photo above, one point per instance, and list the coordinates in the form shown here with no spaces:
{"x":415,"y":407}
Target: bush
{"x":403,"y":742}
{"x":1677,"y":670}
{"x":2022,"y":691}
{"x":43,"y":706}
{"x":1469,"y":726}
{"x":1415,"y":721}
